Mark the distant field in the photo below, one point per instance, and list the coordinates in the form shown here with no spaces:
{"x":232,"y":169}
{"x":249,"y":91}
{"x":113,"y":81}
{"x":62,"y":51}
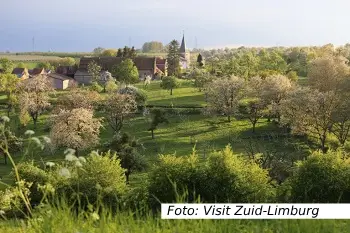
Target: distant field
{"x":28,"y":58}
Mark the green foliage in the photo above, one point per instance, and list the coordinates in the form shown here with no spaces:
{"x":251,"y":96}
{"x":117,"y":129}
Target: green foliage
{"x":96,"y":87}
{"x":109,"y":53}
{"x":293,"y":76}
{"x":201,"y":78}
{"x":21,"y":65}
{"x":173,"y":58}
{"x":152,"y":47}
{"x":98,"y":51}
{"x":111,"y":86}
{"x":170,"y":83}
{"x":127,"y":151}
{"x":126,"y":72}
{"x":31,"y":173}
{"x":321,"y":178}
{"x":7,"y":65}
{"x":46,"y":65}
{"x":158,"y":117}
{"x":225,"y":177}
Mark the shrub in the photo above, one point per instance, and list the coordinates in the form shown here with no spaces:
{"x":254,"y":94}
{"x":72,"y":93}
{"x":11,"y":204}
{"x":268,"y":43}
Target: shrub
{"x":111,"y":86}
{"x":35,"y":175}
{"x":95,"y":87}
{"x":101,"y":178}
{"x":225,"y":177}
{"x":321,"y":178}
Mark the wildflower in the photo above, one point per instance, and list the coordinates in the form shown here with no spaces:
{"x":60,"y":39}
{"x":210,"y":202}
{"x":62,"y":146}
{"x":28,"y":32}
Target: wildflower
{"x":47,"y":140}
{"x":2,"y":212}
{"x":71,"y":157}
{"x":29,"y":132}
{"x":82,"y":159}
{"x":64,"y":172}
{"x":5,"y":119}
{"x":50,"y":164}
{"x":95,"y":216}
{"x":78,"y":164}
{"x":69,"y":151}
{"x":37,"y":141}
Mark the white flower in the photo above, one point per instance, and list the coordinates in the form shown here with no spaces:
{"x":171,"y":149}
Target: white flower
{"x":50,"y":164}
{"x":71,"y":157}
{"x":69,"y":151}
{"x":29,"y":132}
{"x":2,"y":212}
{"x":82,"y":159}
{"x":78,"y":164}
{"x":5,"y":119}
{"x":47,"y":139}
{"x":64,"y":172}
{"x":95,"y":216}
{"x":37,"y":141}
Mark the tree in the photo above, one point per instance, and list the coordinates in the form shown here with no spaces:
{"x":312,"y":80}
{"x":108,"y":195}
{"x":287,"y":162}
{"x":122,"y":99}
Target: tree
{"x":326,"y":73}
{"x":223,"y":96}
{"x":200,"y":60}
{"x":34,"y":96}
{"x":201,"y":78}
{"x":169,"y":83}
{"x":126,"y":150}
{"x":67,"y":61}
{"x":139,"y":95}
{"x":158,"y":117}
{"x":9,"y":143}
{"x":274,"y":90}
{"x":45,"y":65}
{"x":254,"y":107}
{"x":6,"y":65}
{"x":21,"y":65}
{"x":98,"y":51}
{"x":76,"y":128}
{"x":152,"y":47}
{"x":126,"y":72}
{"x":310,"y":112}
{"x":78,"y":99}
{"x":117,"y":108}
{"x":119,"y":53}
{"x":173,"y":58}
{"x":109,"y":53}
{"x":9,"y":85}
{"x":95,"y":71}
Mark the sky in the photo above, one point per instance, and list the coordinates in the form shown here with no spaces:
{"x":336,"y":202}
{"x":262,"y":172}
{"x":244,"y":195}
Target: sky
{"x":82,"y":25}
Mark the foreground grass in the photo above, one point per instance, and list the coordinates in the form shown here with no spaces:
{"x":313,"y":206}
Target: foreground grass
{"x":63,"y":220}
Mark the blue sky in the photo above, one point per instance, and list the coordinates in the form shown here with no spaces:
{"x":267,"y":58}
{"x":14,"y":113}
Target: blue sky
{"x":82,"y":25}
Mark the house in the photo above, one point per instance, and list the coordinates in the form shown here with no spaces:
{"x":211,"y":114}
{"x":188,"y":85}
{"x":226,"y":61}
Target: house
{"x":162,"y":65}
{"x":67,"y":70}
{"x":22,"y":73}
{"x":60,"y":81}
{"x":37,"y":71}
{"x":146,"y":66}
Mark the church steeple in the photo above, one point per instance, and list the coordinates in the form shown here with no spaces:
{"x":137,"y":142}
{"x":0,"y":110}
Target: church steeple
{"x":183,"y":45}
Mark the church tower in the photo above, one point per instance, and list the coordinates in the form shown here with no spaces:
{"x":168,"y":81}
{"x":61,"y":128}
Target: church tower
{"x":184,"y":55}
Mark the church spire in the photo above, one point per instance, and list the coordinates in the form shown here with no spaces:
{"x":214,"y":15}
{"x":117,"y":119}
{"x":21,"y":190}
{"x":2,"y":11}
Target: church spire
{"x":183,"y":44}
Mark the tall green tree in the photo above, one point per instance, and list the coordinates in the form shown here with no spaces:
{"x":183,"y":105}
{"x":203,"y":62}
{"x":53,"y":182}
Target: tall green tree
{"x":9,"y":85}
{"x":95,"y":71}
{"x":170,"y":83}
{"x":6,"y":65}
{"x":126,"y":72}
{"x":173,"y":58}
{"x":158,"y":117}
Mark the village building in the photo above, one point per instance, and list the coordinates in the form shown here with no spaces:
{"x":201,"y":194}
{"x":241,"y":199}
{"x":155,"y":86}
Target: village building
{"x":67,"y":70}
{"x":185,"y":56}
{"x":37,"y":71}
{"x":146,"y":66}
{"x":22,"y":73}
{"x":59,"y":81}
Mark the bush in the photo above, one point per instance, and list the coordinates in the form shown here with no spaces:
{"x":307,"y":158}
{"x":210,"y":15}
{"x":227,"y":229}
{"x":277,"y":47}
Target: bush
{"x":321,"y":178}
{"x":111,"y":86}
{"x":96,"y":87}
{"x":33,"y":174}
{"x":101,"y":178}
{"x":225,"y":177}
{"x":140,"y":95}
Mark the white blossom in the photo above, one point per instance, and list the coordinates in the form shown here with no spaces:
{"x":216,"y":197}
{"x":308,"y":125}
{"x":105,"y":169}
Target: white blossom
{"x":5,"y":119}
{"x":78,"y":164}
{"x":82,"y":159}
{"x":71,"y":157}
{"x":50,"y":164}
{"x":47,"y":139}
{"x":29,"y":132}
{"x":64,"y":172}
